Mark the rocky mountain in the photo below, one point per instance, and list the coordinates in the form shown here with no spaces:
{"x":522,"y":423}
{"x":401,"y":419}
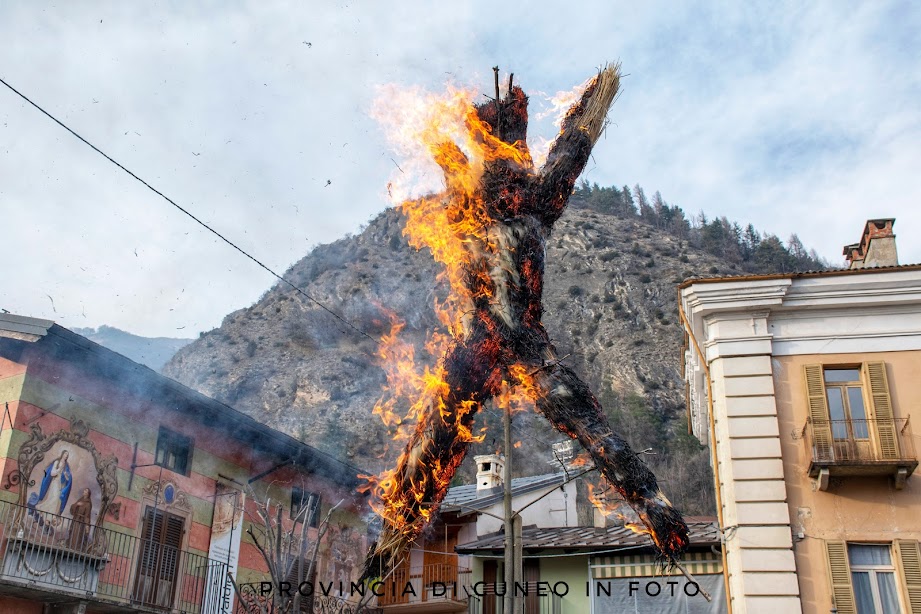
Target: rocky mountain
{"x":610,"y":305}
{"x":153,"y":352}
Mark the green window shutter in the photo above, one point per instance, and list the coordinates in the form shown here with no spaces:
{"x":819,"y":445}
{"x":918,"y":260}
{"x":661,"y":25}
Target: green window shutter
{"x":908,"y":555}
{"x":818,"y":412}
{"x":881,"y":402}
{"x":839,"y":572}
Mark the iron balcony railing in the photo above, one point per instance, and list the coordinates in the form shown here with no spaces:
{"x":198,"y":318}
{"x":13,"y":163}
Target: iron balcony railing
{"x":550,"y":604}
{"x":256,"y":598}
{"x":254,"y":601}
{"x":536,"y":598}
{"x":860,"y":441}
{"x":46,"y":551}
{"x":425,"y":584}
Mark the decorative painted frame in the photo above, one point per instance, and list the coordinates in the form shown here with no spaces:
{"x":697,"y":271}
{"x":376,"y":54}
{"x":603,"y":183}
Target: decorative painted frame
{"x":33,"y":451}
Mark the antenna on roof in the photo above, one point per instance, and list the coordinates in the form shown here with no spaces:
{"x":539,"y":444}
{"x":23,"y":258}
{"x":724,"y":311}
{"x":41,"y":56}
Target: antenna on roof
{"x":562,"y":451}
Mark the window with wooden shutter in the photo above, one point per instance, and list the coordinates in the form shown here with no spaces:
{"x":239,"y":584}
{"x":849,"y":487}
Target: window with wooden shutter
{"x":881,"y":402}
{"x":851,"y":428}
{"x":490,"y":578}
{"x":296,"y":572}
{"x":818,"y":412}
{"x":305,"y":505}
{"x":174,"y":451}
{"x":158,"y":563}
{"x":532,"y":577}
{"x":839,"y":573}
{"x":908,"y":555}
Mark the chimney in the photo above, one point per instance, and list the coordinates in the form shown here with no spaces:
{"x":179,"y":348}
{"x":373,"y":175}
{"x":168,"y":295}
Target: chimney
{"x":876,"y":247}
{"x":489,"y":471}
{"x":599,"y":520}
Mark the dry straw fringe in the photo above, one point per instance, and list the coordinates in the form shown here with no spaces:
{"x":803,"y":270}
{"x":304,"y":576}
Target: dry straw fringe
{"x":596,"y":109}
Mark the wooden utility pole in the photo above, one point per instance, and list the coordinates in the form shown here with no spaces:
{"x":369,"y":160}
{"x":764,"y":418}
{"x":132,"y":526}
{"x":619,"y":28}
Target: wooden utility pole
{"x":509,"y":570}
{"x":513,"y":559}
{"x":517,"y":563}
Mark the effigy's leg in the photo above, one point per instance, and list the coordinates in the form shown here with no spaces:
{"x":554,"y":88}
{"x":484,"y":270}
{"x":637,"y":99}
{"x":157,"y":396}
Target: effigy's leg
{"x":413,"y":492}
{"x":568,"y":403}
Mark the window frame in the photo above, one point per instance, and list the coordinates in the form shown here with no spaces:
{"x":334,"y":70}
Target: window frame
{"x":154,"y":555}
{"x":873,"y":570}
{"x":843,"y":386}
{"x":301,"y":497}
{"x":884,"y":440}
{"x":905,"y":556}
{"x":167,"y":441}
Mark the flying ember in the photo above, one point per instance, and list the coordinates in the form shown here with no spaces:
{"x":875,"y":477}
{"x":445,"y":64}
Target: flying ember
{"x":488,"y":228}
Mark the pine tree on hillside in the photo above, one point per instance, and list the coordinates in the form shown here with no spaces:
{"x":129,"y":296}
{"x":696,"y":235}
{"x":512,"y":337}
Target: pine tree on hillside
{"x":796,"y":248}
{"x":659,"y":210}
{"x":750,"y":240}
{"x":772,"y":257}
{"x":741,"y":248}
{"x":646,"y":213}
{"x":628,"y":204}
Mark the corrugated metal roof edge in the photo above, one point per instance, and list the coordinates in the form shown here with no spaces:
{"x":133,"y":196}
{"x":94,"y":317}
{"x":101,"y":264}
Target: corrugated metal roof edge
{"x":551,"y":479}
{"x":484,"y":542}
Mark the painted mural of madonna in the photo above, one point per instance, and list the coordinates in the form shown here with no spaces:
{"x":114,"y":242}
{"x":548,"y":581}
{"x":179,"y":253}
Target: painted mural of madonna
{"x":49,"y":502}
{"x":64,"y":501}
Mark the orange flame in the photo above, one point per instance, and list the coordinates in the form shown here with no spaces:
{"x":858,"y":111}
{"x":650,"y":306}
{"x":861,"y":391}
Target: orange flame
{"x":558,"y":106}
{"x":445,"y":149}
{"x":445,"y":132}
{"x":637,"y":528}
{"x":599,"y":497}
{"x":607,"y":501}
{"x":439,"y":135}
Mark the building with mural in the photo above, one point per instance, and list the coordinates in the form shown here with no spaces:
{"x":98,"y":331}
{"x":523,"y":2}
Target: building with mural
{"x":123,"y":490}
{"x":807,"y":388}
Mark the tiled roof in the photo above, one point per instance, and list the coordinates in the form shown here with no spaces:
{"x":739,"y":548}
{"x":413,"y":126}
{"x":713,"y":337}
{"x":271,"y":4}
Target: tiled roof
{"x":703,"y":532}
{"x":827,"y":273}
{"x":464,"y":498}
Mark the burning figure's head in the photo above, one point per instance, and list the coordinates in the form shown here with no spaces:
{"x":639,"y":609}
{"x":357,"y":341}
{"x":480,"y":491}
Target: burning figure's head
{"x":488,"y":229}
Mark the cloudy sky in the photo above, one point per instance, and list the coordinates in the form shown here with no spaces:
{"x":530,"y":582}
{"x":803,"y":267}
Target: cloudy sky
{"x":798,"y":117}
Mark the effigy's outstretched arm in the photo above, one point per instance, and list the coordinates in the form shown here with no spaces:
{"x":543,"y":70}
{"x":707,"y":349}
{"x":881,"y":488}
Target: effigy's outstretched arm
{"x":571,"y":150}
{"x":568,"y":403}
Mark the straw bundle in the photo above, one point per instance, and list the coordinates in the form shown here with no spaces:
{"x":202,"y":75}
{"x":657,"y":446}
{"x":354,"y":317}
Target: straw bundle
{"x":591,"y":115}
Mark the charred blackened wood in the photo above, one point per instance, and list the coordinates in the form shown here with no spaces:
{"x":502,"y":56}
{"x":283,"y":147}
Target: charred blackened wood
{"x":571,"y":407}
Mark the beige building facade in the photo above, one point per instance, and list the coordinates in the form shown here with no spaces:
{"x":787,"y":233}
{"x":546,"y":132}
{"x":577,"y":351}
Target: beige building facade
{"x":807,"y":387}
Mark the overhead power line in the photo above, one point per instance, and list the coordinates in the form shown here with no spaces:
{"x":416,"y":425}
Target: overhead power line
{"x":191,"y":215}
{"x":215,"y":232}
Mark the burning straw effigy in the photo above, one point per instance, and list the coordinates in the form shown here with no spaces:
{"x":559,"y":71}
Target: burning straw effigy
{"x":489,"y":228}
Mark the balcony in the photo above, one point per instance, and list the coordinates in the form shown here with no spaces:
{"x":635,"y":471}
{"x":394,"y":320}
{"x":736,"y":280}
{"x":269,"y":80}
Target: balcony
{"x":112,"y":570}
{"x":428,"y":588}
{"x":846,"y":448}
{"x":546,"y":604}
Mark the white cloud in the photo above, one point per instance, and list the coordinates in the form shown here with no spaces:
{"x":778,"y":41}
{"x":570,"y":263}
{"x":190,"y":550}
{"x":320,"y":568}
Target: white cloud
{"x":799,"y":118}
